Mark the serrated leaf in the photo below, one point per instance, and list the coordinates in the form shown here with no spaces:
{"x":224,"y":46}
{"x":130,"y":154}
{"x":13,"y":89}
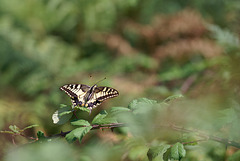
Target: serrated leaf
{"x":80,"y":123}
{"x":141,"y":105}
{"x":116,"y":110}
{"x":29,"y":127}
{"x":103,"y":118}
{"x":138,"y":152}
{"x":14,"y":128}
{"x":178,"y":151}
{"x":170,"y":98}
{"x":99,"y":117}
{"x":140,"y":101}
{"x":77,"y":133}
{"x":107,"y":120}
{"x":166,"y":155}
{"x":70,"y":137}
{"x":156,"y":153}
{"x":62,"y":115}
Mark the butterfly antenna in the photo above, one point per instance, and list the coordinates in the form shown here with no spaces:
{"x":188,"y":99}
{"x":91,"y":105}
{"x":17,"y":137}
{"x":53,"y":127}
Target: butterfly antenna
{"x":101,"y":80}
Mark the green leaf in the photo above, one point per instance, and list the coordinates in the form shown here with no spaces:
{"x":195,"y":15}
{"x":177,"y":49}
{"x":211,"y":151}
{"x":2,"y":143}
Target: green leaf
{"x":138,"y":152}
{"x":140,"y":101}
{"x":62,"y":115}
{"x":70,"y":137}
{"x":77,"y":133}
{"x":156,"y":153}
{"x":116,"y":110}
{"x":83,"y":109}
{"x":40,"y":136}
{"x":29,"y":127}
{"x":235,"y":156}
{"x":170,"y":98}
{"x":80,"y":123}
{"x":65,"y":113}
{"x":141,"y":105}
{"x":7,"y":132}
{"x":103,"y":118}
{"x":178,"y":151}
{"x":230,"y":118}
{"x":99,"y":117}
{"x":14,"y":128}
{"x":58,"y":150}
{"x":63,"y":105}
{"x":166,"y":155}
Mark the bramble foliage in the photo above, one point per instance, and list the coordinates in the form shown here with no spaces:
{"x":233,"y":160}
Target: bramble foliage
{"x":152,"y":49}
{"x":137,"y":130}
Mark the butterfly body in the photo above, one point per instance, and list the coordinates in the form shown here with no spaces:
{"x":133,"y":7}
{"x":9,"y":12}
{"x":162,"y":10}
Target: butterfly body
{"x":88,"y":96}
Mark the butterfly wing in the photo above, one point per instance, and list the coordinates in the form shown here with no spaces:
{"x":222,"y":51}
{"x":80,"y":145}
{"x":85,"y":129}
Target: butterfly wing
{"x":99,"y":95}
{"x":76,"y":92}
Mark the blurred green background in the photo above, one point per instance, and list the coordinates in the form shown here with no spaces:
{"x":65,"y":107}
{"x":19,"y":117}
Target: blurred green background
{"x":151,"y":49}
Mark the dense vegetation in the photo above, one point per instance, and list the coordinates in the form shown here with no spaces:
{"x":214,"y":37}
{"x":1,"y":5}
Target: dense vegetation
{"x":174,"y":63}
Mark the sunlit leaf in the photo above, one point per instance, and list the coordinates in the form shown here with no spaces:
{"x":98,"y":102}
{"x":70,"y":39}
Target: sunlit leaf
{"x":156,"y":153}
{"x":62,"y":115}
{"x":14,"y":128}
{"x":141,"y":105}
{"x":80,"y":123}
{"x":77,"y":133}
{"x":103,"y":118}
{"x":178,"y":151}
{"x":99,"y":117}
{"x":116,"y":110}
{"x":170,"y":98}
{"x":138,"y":152}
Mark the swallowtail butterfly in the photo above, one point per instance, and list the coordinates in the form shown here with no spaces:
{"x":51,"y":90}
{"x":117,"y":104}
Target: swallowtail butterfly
{"x":88,"y":96}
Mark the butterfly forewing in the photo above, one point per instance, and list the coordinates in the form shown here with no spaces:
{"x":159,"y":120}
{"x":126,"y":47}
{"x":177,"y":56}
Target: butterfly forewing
{"x":76,"y":92}
{"x":100,"y":94}
{"x":103,"y":93}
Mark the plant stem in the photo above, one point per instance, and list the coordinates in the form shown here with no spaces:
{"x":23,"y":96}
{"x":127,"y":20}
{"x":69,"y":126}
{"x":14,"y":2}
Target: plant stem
{"x":203,"y":135}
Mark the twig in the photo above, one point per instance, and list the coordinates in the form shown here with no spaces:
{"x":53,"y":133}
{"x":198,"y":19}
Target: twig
{"x":203,"y":135}
{"x":187,"y":84}
{"x":13,"y":141}
{"x":94,"y":127}
{"x":195,"y":141}
{"x":173,"y":127}
{"x":28,"y":137}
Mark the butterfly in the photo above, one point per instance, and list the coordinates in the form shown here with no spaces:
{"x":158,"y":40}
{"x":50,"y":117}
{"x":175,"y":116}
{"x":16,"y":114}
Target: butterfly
{"x":88,"y":96}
